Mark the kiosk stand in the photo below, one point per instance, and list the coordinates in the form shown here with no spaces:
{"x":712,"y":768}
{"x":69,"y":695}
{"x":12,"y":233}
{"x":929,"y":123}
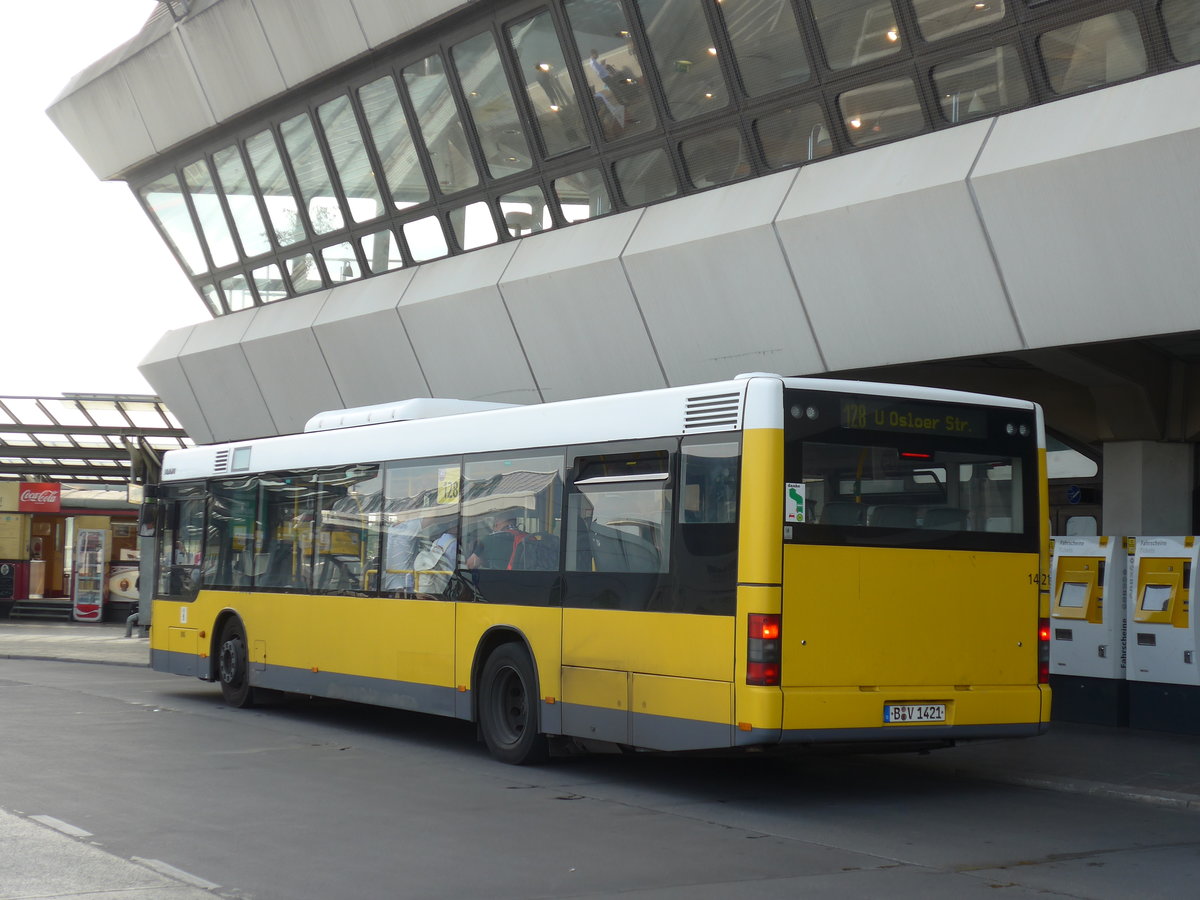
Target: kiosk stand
{"x":1163,"y":668}
{"x":1087,"y":631}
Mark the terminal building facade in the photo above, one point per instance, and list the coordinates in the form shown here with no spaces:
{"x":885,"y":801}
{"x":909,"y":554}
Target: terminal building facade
{"x":532,"y":200}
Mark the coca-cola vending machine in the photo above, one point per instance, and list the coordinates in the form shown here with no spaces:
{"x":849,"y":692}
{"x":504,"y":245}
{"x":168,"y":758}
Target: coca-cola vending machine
{"x":91,"y":560}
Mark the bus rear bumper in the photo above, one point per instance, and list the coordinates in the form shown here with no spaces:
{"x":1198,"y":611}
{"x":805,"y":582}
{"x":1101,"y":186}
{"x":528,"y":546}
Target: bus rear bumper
{"x":886,"y":737}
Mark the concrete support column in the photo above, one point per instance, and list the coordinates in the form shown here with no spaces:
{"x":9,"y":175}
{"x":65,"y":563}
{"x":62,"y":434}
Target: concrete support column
{"x":1147,"y":488}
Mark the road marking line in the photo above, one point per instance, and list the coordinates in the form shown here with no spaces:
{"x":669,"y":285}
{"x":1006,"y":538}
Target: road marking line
{"x":60,"y":825}
{"x":178,"y":874}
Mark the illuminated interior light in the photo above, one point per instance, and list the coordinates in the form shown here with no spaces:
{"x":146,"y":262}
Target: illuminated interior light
{"x":893,"y":35}
{"x":554,"y":107}
{"x":712,"y":51}
{"x":545,"y":67}
{"x":856,"y":122}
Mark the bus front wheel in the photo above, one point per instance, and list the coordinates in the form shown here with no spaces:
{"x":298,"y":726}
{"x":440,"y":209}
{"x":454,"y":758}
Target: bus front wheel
{"x":233,"y":665}
{"x":508,"y":711}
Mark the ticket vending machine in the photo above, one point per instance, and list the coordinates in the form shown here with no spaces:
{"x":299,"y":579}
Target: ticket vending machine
{"x":1163,"y":669}
{"x":1087,"y":630}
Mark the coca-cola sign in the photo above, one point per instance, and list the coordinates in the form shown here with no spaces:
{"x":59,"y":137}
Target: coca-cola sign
{"x":39,"y":496}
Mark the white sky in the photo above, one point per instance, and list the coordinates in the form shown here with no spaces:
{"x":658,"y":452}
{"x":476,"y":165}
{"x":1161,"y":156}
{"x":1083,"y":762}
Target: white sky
{"x":88,"y":287}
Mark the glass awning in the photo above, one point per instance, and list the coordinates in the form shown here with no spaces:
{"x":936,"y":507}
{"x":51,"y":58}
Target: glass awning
{"x":85,"y":438}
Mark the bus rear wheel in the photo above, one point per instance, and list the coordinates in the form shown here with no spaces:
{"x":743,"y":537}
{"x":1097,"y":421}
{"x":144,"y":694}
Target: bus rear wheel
{"x":508,"y":712}
{"x":233,"y":665}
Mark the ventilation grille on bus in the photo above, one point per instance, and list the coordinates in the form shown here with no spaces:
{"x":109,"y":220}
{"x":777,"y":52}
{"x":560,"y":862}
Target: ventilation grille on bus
{"x":714,"y":412}
{"x":221,"y":463}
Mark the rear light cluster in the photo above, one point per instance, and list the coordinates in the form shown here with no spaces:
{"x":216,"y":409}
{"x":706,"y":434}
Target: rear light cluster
{"x":1043,"y":651}
{"x":763,"y":650}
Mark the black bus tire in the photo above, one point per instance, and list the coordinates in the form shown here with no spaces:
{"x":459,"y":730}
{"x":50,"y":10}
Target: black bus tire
{"x":508,"y":708}
{"x":233,"y":665}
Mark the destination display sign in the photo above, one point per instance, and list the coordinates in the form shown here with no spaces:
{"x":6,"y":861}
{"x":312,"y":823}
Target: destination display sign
{"x":911,"y":417}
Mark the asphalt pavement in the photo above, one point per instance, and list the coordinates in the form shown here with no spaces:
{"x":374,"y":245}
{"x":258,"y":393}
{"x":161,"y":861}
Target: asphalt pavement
{"x":1118,"y":763}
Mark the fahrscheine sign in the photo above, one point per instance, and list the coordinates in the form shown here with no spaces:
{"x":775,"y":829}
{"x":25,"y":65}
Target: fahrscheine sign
{"x":39,"y":496}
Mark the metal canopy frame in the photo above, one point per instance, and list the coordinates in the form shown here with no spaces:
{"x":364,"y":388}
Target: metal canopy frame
{"x":86,"y":438}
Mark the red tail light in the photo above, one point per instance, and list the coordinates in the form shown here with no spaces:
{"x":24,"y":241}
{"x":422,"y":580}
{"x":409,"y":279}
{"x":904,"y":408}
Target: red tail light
{"x":1043,"y":651}
{"x":763,"y":650}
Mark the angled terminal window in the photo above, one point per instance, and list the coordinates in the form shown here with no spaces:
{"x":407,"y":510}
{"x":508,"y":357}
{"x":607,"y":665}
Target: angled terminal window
{"x":882,"y":112}
{"x":646,"y":177}
{"x":382,"y":252}
{"x":393,"y":142}
{"x":237,"y":293}
{"x":981,"y":84}
{"x":685,"y":56}
{"x":208,"y":210}
{"x":716,"y":157}
{"x":766,"y":44}
{"x":525,"y":211}
{"x":340,"y":262}
{"x":794,"y":135}
{"x":543,"y":68}
{"x":303,"y":274}
{"x":350,"y":159}
{"x":275,"y":190}
{"x":473,"y":226}
{"x":582,"y":195}
{"x":490,"y":104}
{"x":1094,"y":52}
{"x":311,"y":174}
{"x":243,"y":206}
{"x":1182,"y":18}
{"x":854,"y":32}
{"x":425,"y":238}
{"x":939,"y":19}
{"x":165,"y":200}
{"x":441,"y":127}
{"x":604,"y":44}
{"x":269,"y":283}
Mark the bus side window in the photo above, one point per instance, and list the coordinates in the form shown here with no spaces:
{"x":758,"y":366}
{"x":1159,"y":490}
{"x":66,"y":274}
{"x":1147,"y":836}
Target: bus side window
{"x":706,"y":533}
{"x":620,"y":514}
{"x":287,"y":539}
{"x":511,"y":510}
{"x":181,"y":542}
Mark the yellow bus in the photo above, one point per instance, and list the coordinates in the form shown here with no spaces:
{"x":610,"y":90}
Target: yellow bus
{"x":755,"y":563}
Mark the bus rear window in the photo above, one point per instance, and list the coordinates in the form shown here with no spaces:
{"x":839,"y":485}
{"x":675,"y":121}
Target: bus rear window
{"x":860,"y":493}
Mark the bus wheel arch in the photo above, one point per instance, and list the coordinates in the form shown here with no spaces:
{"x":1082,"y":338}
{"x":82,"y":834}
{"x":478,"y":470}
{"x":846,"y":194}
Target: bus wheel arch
{"x":231,"y":660}
{"x":506,"y":699}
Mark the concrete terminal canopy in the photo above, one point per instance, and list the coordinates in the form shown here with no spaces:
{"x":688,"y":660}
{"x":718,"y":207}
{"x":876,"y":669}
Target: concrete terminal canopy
{"x":1045,"y":248}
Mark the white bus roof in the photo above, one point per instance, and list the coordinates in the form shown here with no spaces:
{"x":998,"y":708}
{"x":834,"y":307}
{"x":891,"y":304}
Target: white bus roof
{"x":332,"y":439}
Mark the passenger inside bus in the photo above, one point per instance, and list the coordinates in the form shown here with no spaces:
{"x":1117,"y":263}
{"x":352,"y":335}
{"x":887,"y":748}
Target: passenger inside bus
{"x":498,"y":549}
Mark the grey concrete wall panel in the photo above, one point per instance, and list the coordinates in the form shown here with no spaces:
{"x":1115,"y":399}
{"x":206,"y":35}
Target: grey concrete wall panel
{"x":232,"y":58}
{"x":1091,"y":199}
{"x":571,"y":303}
{"x":383,"y":20}
{"x":103,"y":124}
{"x":222,"y":380}
{"x":713,"y":285}
{"x":365,"y":345}
{"x":309,"y":37}
{"x":890,"y":256}
{"x":287,"y":362}
{"x":163,"y":369}
{"x":166,"y":90}
{"x":461,"y":331}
